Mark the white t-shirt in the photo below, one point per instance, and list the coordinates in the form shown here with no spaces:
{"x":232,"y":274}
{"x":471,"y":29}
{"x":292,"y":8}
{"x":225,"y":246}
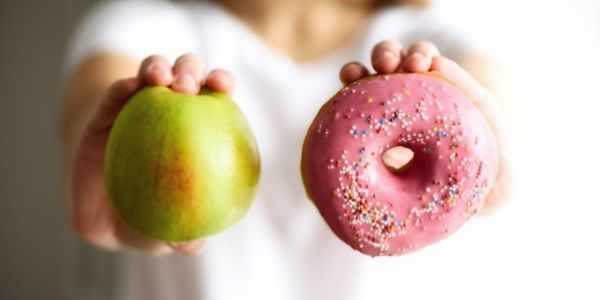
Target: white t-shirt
{"x":282,"y":249}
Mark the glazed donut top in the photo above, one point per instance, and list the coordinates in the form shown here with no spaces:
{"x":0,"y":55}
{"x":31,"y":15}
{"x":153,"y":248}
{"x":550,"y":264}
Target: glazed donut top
{"x":374,"y":210}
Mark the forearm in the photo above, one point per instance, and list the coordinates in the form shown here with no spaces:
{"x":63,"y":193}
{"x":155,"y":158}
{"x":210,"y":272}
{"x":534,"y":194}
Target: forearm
{"x":83,"y":93}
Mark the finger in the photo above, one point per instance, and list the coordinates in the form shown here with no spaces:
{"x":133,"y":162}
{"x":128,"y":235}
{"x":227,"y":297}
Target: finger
{"x":452,"y":72}
{"x":118,"y":94}
{"x":419,"y":56}
{"x":155,"y":70}
{"x":386,"y":56}
{"x":188,"y":71}
{"x":129,"y":238}
{"x":353,"y":71}
{"x":188,"y":248}
{"x":220,"y":81}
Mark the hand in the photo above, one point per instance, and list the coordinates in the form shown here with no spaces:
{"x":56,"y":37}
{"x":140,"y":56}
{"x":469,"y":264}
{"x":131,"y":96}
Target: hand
{"x":94,"y":218}
{"x":389,"y":57}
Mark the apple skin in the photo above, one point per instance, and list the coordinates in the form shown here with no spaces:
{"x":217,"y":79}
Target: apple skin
{"x":181,"y":167}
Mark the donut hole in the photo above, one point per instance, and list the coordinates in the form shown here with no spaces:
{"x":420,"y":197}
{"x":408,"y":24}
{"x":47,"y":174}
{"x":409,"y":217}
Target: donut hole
{"x":398,"y":159}
{"x":419,"y":171}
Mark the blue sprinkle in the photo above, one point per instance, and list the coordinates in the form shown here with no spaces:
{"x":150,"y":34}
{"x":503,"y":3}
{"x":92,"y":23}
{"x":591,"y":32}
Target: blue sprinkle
{"x":443,"y":134}
{"x":453,"y":190}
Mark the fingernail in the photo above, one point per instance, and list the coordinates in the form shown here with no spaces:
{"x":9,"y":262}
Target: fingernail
{"x":157,"y":68}
{"x":385,"y":55}
{"x":161,"y":73}
{"x":186,"y":81}
{"x":390,"y":54}
{"x":418,"y":55}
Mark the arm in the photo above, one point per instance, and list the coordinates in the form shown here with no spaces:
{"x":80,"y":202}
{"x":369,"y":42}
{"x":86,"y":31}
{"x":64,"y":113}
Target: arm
{"x":82,"y":96}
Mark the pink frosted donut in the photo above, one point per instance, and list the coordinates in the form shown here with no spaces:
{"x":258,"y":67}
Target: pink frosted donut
{"x":374,"y":210}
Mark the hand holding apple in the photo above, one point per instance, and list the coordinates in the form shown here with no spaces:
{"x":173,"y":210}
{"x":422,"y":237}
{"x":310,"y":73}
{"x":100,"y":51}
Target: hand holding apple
{"x":94,"y":218}
{"x":179,"y":167}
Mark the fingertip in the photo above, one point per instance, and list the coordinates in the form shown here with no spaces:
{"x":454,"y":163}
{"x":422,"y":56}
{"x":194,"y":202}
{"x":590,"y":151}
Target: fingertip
{"x":353,"y":71}
{"x":155,"y":70}
{"x":386,"y":62}
{"x":158,"y":74}
{"x":419,"y":56}
{"x":219,"y":80}
{"x":188,"y":72}
{"x":186,"y":83}
{"x":188,"y":248}
{"x":386,"y":56}
{"x":414,"y":63}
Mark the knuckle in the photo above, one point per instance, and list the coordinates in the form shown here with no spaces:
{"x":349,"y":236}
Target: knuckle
{"x":151,"y":62}
{"x":387,"y":44}
{"x":189,"y":63}
{"x":189,"y":58}
{"x":220,"y":74}
{"x":424,"y":46}
{"x":381,"y":43}
{"x":349,"y":65}
{"x":426,"y":43}
{"x":155,"y":58}
{"x":189,"y":55}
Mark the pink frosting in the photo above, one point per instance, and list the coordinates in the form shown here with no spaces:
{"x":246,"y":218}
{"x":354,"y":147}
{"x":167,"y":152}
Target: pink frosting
{"x":380,"y":213}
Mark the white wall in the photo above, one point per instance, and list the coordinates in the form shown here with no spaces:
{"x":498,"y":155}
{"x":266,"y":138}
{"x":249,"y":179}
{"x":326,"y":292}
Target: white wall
{"x":545,"y":243}
{"x":39,"y":256}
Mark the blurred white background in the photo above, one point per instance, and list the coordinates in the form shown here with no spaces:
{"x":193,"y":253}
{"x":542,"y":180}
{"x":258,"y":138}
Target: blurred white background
{"x":542,"y":244}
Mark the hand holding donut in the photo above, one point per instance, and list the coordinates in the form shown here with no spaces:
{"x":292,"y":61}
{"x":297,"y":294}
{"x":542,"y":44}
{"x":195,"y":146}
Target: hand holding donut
{"x":399,"y":161}
{"x":389,"y":57}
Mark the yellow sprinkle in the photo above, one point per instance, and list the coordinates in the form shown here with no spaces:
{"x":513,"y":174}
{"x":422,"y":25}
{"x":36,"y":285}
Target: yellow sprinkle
{"x":406,"y":92}
{"x":369,"y":100}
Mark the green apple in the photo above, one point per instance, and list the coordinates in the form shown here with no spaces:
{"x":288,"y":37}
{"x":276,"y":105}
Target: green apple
{"x":181,"y":167}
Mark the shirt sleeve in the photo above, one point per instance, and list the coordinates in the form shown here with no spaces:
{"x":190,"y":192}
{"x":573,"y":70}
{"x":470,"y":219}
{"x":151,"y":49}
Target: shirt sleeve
{"x":135,"y":28}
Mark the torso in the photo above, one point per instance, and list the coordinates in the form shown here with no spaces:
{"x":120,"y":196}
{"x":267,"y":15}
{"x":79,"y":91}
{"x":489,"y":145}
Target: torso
{"x":282,"y":249}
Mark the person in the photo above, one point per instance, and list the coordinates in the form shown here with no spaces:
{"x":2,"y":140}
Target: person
{"x":281,"y":58}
